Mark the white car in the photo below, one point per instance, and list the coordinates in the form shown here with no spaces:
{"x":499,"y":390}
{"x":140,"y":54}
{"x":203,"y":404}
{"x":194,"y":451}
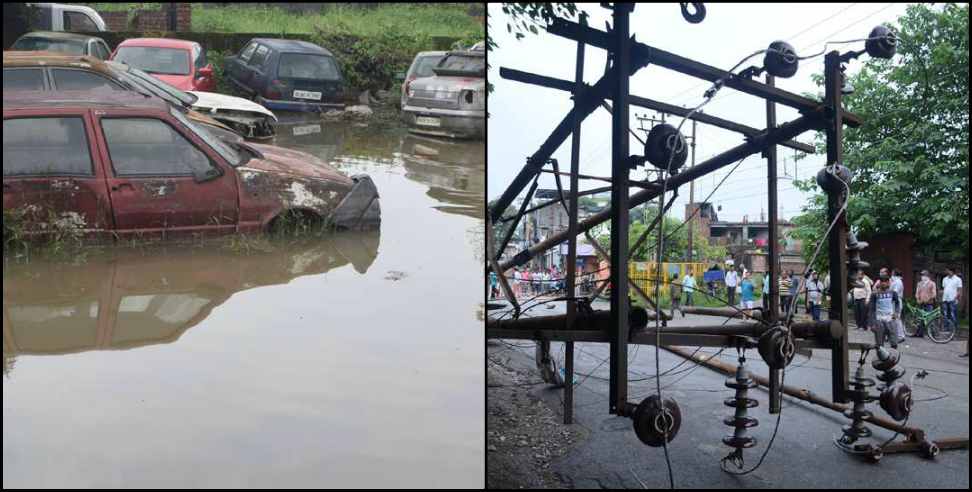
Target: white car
{"x":252,"y":120}
{"x":64,"y":17}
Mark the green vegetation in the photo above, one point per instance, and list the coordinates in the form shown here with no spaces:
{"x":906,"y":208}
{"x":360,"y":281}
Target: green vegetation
{"x":676,"y":239}
{"x":413,"y":20}
{"x":122,"y":6}
{"x":911,"y":158}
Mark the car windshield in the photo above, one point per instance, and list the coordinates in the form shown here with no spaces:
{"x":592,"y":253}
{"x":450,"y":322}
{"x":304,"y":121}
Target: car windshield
{"x":69,"y":46}
{"x":153,"y":85}
{"x":425,"y":64}
{"x":303,"y":66}
{"x":467,"y":65}
{"x":228,"y":153}
{"x":163,"y":61}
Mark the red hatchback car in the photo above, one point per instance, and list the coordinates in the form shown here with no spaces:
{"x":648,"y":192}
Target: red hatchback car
{"x":174,"y":61}
{"x":120,"y":163}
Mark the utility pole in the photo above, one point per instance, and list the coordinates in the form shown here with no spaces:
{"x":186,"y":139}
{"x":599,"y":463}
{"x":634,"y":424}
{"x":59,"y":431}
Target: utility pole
{"x":691,"y":229}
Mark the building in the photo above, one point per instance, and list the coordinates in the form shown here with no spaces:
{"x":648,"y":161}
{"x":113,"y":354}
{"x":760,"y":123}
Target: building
{"x":747,"y":242}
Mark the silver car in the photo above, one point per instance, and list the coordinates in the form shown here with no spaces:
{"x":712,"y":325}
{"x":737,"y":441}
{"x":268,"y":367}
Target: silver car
{"x":452,"y":102}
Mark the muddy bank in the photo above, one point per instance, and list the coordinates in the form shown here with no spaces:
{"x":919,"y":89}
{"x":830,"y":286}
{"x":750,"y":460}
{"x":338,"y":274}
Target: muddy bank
{"x":524,"y":435}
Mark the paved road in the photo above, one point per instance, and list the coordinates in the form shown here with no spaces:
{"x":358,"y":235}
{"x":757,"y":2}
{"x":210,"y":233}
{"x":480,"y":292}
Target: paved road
{"x":803,"y":454}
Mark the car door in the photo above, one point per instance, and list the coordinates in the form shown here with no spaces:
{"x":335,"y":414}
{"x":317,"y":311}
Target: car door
{"x":238,"y":68}
{"x":255,"y":78}
{"x":162,"y":180}
{"x":52,"y":173}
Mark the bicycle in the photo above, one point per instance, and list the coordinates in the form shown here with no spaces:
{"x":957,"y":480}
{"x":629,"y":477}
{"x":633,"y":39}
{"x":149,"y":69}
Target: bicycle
{"x":936,"y":329}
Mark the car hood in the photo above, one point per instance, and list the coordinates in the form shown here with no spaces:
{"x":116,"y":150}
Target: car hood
{"x":181,"y":82}
{"x":210,"y":101}
{"x":295,"y":163}
{"x":450,"y":84}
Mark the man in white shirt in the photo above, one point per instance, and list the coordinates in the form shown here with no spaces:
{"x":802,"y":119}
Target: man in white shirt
{"x":951,"y":295}
{"x":732,"y":280}
{"x":688,"y":286}
{"x":897,"y":286}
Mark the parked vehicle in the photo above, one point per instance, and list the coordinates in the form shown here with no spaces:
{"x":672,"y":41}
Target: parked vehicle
{"x":452,"y":102}
{"x":287,"y":75}
{"x":64,"y":17}
{"x":118,"y":163}
{"x":176,"y":62}
{"x":63,"y":42}
{"x":44,"y":71}
{"x":255,"y":122}
{"x":421,"y":67}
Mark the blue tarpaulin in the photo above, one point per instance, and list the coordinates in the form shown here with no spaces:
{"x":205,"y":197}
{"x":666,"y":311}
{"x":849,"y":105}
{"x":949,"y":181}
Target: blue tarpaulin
{"x":714,"y":276}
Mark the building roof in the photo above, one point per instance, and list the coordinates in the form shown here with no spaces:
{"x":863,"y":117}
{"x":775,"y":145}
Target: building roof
{"x":293,"y":46}
{"x":60,"y":35}
{"x":158,"y":43}
{"x":748,"y":224}
{"x":81,"y":99}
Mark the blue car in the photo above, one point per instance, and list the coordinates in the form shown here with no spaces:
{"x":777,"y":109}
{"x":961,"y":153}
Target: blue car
{"x":287,"y":75}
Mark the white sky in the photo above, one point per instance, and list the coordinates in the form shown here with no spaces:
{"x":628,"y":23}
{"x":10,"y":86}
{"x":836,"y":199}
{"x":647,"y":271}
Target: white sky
{"x":522,"y":115}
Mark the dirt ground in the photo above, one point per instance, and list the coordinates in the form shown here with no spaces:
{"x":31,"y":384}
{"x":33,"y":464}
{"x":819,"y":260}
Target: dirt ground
{"x":523,"y":434}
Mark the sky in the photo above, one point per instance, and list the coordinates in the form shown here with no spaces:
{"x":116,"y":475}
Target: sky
{"x":522,"y":115}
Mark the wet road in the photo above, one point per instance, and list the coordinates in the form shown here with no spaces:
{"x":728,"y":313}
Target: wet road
{"x":354,"y":361}
{"x":803,"y":456}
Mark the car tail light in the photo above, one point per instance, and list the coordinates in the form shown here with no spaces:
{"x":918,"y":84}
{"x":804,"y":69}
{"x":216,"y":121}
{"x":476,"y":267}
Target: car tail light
{"x":275,"y":90}
{"x":408,"y":84}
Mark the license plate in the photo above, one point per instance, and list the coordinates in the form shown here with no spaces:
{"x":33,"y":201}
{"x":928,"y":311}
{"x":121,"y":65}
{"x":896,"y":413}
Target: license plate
{"x":427,"y":121}
{"x":308,"y":95}
{"x":443,"y":95}
{"x":306,"y":130}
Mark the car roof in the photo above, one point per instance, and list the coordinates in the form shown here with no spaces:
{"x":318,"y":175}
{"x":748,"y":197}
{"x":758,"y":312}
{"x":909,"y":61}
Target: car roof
{"x":14,"y":100}
{"x":52,"y":59}
{"x":293,"y":46}
{"x":59,"y":35}
{"x":158,"y":43}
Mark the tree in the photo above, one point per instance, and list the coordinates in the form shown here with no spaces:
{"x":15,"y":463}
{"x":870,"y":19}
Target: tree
{"x":910,"y":158}
{"x":17,"y":19}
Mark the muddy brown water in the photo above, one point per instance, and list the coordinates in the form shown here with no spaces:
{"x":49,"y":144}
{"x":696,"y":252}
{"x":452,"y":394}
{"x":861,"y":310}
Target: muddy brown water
{"x":352,"y":361}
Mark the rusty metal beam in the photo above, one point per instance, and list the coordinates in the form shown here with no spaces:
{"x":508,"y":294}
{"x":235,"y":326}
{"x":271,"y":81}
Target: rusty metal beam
{"x":756,"y":144}
{"x":642,"y":53}
{"x":644,"y":102}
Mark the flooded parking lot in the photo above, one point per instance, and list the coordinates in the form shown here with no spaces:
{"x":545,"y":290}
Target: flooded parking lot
{"x":351,"y":361}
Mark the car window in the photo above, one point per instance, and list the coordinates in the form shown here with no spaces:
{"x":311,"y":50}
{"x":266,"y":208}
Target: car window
{"x":79,"y":22}
{"x":101,"y":50}
{"x":25,"y":79}
{"x":147,"y":83}
{"x":164,"y":61}
{"x":248,"y":52}
{"x":69,"y":46}
{"x":66,"y":79}
{"x":303,"y":66}
{"x":200,"y":55}
{"x":462,"y":65}
{"x":46,"y":147}
{"x":259,"y":56}
{"x":150,"y":147}
{"x":424,"y":65}
{"x":227,"y":152}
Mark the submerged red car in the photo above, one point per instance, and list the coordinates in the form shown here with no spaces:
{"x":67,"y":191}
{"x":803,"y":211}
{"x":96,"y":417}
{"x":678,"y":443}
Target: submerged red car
{"x":176,"y":62}
{"x":123,"y":163}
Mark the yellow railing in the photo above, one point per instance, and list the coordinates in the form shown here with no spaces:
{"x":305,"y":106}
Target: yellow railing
{"x":644,"y":273}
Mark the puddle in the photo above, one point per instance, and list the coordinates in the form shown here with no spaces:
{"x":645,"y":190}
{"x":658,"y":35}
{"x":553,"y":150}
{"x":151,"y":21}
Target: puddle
{"x":352,"y":361}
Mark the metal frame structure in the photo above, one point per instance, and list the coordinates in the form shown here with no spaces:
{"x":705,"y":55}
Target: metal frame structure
{"x":625,"y":57}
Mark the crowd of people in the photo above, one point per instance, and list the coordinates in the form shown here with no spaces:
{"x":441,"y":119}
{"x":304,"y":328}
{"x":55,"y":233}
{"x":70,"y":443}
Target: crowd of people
{"x":526,"y":282}
{"x":877,"y":304}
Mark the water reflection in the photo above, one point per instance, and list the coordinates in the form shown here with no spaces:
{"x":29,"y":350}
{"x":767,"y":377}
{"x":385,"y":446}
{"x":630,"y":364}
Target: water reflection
{"x":455,"y":171}
{"x":132,"y":299}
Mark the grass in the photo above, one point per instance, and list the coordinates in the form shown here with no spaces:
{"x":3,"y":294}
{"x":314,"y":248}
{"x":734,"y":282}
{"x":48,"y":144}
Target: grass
{"x":449,"y":20}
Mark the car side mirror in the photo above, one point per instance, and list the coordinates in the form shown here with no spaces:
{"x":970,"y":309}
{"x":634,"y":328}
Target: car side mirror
{"x":206,"y":71}
{"x":205,"y":175}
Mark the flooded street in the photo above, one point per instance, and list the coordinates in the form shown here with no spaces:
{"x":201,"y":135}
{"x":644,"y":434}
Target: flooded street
{"x":353,"y":361}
